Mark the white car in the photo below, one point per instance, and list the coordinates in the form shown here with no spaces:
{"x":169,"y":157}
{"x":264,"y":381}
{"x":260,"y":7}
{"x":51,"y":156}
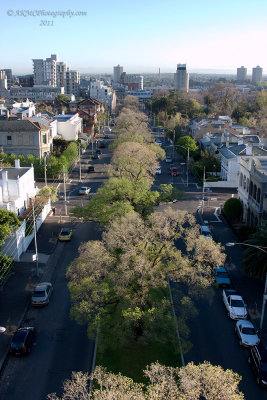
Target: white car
{"x":247,"y":333}
{"x":84,"y":190}
{"x":41,"y":294}
{"x":168,"y":159}
{"x":158,"y":171}
{"x":234,"y":304}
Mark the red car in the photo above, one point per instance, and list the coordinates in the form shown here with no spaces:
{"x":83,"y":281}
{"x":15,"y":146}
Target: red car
{"x":174,"y":171}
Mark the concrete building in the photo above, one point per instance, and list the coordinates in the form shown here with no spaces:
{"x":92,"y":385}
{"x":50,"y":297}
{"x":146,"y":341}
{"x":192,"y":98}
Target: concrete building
{"x":25,"y":137}
{"x":35,"y":93}
{"x":3,"y":81}
{"x":103,"y":93}
{"x":17,"y":186}
{"x":117,"y":71}
{"x":44,"y":71}
{"x":241,"y":75}
{"x":257,"y":74}
{"x":72,"y":86}
{"x":252,"y":189}
{"x":9,"y":77}
{"x":181,"y":78}
{"x":69,"y":126}
{"x":61,"y":69}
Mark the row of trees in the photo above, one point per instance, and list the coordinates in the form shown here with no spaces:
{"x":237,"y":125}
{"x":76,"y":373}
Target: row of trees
{"x":117,"y":285}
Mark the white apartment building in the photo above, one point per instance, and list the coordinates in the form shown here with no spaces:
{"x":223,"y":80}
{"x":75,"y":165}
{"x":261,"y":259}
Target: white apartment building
{"x":44,"y":71}
{"x":181,"y":78}
{"x":241,"y":75}
{"x":69,"y":126}
{"x":3,"y":80}
{"x":103,"y":93}
{"x":117,"y":71}
{"x":72,"y":85}
{"x":17,"y":186}
{"x":257,"y":74}
{"x":61,"y":69}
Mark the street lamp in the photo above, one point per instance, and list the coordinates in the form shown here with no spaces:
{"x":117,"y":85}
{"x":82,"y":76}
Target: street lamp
{"x":230,"y":244}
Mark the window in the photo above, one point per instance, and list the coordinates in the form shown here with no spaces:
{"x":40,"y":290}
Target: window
{"x":44,"y":139}
{"x":9,"y":139}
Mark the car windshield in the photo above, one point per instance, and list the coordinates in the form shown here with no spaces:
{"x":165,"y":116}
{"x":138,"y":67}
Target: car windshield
{"x":237,"y":303}
{"x":16,"y":345}
{"x":65,"y":233}
{"x":248,"y":330}
{"x":39,"y":293}
{"x":222,"y":274}
{"x":83,"y":188}
{"x":18,"y":339}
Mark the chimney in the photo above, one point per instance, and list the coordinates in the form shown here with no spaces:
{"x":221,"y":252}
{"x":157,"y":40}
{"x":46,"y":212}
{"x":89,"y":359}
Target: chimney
{"x":249,"y":149}
{"x":17,"y":163}
{"x":227,"y":141}
{"x":5,"y":185}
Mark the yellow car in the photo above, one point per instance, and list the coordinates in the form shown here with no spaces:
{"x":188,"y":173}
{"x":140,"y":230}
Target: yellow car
{"x":65,"y":234}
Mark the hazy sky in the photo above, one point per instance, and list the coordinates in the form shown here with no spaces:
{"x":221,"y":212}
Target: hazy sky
{"x":140,"y":35}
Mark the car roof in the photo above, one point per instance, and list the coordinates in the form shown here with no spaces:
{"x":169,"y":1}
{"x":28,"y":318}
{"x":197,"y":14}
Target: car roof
{"x":65,"y":229}
{"x":221,"y":269}
{"x":245,"y":322}
{"x":42,"y":285}
{"x":204,"y":228}
{"x":84,"y":187}
{"x":236,"y":297}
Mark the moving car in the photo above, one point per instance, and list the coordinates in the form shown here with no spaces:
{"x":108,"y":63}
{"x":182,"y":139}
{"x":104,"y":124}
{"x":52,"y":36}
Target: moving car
{"x":65,"y":234}
{"x":41,"y":294}
{"x":174,"y":171}
{"x":258,"y":361}
{"x":168,"y":159}
{"x":91,"y":168}
{"x":158,"y":171}
{"x":247,"y":333}
{"x":96,"y":156}
{"x":22,"y":341}
{"x":84,"y":190}
{"x":234,"y":304}
{"x":221,"y":277}
{"x":205,"y":231}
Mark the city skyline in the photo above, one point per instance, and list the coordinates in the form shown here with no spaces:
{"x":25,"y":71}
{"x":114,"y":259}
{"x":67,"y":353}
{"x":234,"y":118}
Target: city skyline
{"x":208,"y":37}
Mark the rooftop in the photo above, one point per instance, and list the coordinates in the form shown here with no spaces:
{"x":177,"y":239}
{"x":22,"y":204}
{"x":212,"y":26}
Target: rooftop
{"x":13,"y":172}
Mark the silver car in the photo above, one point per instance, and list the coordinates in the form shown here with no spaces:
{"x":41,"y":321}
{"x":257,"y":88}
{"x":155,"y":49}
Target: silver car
{"x":247,"y":333}
{"x":41,"y":294}
{"x":84,"y":190}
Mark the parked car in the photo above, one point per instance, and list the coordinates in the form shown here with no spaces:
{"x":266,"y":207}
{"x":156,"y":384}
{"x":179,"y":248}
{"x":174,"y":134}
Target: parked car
{"x":158,"y":171}
{"x":258,"y":361}
{"x":96,"y":156}
{"x":234,"y":304}
{"x":205,"y":231}
{"x":98,"y":151}
{"x":247,"y":333}
{"x":168,"y":159}
{"x":174,"y":171}
{"x":159,"y":142}
{"x":41,"y":294}
{"x":221,"y":277}
{"x":172,"y":166}
{"x":22,"y":341}
{"x":65,"y":235}
{"x":91,"y":168}
{"x":84,"y":190}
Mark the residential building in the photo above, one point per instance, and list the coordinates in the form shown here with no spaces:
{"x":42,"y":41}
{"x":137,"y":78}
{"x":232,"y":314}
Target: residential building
{"x":61,"y":69}
{"x":257,"y":74}
{"x":132,"y":81}
{"x":141,"y":94}
{"x":48,"y":120}
{"x":25,"y":80}
{"x":3,"y":81}
{"x":35,"y":93}
{"x":17,"y":186}
{"x":9,"y":77}
{"x":69,"y":126}
{"x":103,"y":93}
{"x":44,"y":71}
{"x":241,"y":75}
{"x":25,"y":136}
{"x":181,"y":78}
{"x":252,"y":189}
{"x":117,"y":71}
{"x":72,"y":86}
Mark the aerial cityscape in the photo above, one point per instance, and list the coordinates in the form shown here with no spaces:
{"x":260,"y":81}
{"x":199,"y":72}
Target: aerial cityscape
{"x":133,"y":200}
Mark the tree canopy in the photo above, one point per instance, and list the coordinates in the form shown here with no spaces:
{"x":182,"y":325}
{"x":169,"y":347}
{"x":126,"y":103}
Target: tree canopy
{"x":8,"y":223}
{"x":255,"y":260}
{"x":233,"y":208}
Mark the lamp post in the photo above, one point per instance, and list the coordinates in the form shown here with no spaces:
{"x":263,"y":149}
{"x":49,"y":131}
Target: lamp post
{"x":264,"y":249}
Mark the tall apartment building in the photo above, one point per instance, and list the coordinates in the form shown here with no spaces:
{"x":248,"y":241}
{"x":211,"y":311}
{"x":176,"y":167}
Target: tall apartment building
{"x":61,"y":69}
{"x":117,"y":71}
{"x":181,"y":78}
{"x":9,"y":77}
{"x":72,"y":82}
{"x":3,"y":80}
{"x":241,"y":75}
{"x":44,"y":71}
{"x":257,"y":74}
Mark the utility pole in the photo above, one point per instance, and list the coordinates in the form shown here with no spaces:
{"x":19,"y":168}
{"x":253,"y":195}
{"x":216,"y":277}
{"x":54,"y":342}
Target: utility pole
{"x":35,"y":240}
{"x":45,"y":170}
{"x":65,"y":196}
{"x":173,"y":143}
{"x":92,"y":146}
{"x":187,"y":166}
{"x":203,"y":192}
{"x":80,"y":168}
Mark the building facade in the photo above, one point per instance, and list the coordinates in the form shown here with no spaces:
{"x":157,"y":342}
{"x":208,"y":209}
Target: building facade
{"x":257,"y":74}
{"x":241,"y":75}
{"x":181,"y":78}
{"x":44,"y":71}
{"x":69,"y":126}
{"x":103,"y":93}
{"x":117,"y":71}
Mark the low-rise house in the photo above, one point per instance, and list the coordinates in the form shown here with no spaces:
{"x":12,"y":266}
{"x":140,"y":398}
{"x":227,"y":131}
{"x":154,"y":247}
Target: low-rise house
{"x":252,"y":189}
{"x":25,"y":136}
{"x":69,"y":126}
{"x":49,"y":121}
{"x":17,"y":186}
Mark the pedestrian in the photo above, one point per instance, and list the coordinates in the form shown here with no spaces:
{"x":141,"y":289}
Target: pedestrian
{"x":54,"y":210}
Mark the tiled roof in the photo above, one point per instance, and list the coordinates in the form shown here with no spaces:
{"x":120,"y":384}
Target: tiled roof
{"x":20,"y":125}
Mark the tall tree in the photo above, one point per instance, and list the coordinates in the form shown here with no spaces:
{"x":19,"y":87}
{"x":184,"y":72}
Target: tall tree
{"x":255,"y":260}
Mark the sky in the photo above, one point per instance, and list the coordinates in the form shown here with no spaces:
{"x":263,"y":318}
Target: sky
{"x":140,"y":35}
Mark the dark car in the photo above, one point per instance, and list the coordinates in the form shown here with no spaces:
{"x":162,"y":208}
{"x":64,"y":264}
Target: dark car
{"x":102,"y":145}
{"x":106,"y":136}
{"x":91,"y":168}
{"x":258,"y":361}
{"x":98,"y":151}
{"x":96,"y":156}
{"x":22,"y":341}
{"x":221,"y":277}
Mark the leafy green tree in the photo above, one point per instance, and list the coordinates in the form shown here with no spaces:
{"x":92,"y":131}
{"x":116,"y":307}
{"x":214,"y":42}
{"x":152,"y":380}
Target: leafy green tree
{"x":192,"y":382}
{"x":187,"y":142}
{"x":8,"y":223}
{"x":233,"y":208}
{"x":255,"y":260}
{"x":63,"y":97}
{"x":48,"y":192}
